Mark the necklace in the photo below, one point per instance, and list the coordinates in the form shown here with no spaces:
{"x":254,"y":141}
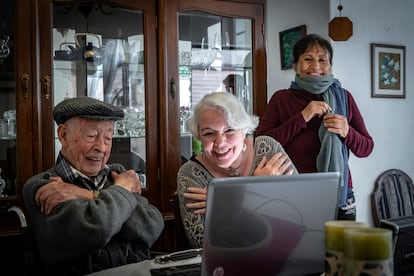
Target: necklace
{"x":234,"y":172}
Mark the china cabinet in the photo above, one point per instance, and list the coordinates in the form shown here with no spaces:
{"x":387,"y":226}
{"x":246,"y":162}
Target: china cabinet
{"x":19,"y":144}
{"x":155,"y":59}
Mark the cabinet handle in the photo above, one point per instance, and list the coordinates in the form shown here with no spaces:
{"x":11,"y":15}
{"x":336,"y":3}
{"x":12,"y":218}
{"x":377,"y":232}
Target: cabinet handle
{"x":46,"y":86}
{"x":173,"y":88}
{"x":25,"y":84}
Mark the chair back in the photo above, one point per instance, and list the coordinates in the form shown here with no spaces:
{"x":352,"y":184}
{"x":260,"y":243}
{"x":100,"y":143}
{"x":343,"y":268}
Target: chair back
{"x":18,"y":259}
{"x":180,"y":238}
{"x":393,"y":196}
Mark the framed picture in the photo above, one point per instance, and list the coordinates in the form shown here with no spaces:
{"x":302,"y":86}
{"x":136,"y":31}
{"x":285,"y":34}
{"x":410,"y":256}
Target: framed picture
{"x":287,"y":40}
{"x":388,"y":71}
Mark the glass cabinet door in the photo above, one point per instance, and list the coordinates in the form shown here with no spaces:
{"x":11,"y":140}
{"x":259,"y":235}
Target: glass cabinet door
{"x":17,"y":93}
{"x":7,"y":101}
{"x":220,"y":48}
{"x":209,"y":46}
{"x":99,"y":50}
{"x":215,"y":54}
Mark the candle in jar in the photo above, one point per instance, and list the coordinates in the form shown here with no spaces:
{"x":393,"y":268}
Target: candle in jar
{"x":368,"y":251}
{"x":334,"y":233}
{"x":334,"y":244}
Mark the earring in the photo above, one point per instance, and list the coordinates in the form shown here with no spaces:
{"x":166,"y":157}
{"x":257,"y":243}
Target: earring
{"x":244,"y":148}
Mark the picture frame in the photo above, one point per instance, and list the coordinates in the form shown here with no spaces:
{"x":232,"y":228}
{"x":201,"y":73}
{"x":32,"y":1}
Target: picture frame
{"x":287,"y":40}
{"x":387,"y":71}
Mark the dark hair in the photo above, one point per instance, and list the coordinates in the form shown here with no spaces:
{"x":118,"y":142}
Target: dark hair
{"x":308,"y":41}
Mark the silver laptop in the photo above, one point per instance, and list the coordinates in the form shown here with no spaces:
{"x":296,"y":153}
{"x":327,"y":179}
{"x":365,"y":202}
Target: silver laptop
{"x":270,"y":225}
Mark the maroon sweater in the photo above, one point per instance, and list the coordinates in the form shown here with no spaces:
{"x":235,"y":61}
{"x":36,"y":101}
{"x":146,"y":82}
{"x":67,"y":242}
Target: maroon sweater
{"x":283,"y":120}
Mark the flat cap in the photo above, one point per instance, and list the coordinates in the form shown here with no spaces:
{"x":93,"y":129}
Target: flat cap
{"x":88,"y":108}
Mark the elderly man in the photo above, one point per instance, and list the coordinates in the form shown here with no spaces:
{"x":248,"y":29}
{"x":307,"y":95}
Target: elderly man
{"x":87,"y":215}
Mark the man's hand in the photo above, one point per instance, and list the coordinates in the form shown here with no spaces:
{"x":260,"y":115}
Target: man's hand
{"x":199,"y":195}
{"x":128,"y":180}
{"x":56,"y":191}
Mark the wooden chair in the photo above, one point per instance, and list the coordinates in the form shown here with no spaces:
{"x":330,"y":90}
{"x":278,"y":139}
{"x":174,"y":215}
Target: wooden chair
{"x":181,"y":241}
{"x":393,"y":196}
{"x":20,"y":261}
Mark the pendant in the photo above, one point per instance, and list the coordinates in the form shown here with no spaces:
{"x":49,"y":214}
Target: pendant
{"x":234,"y":172}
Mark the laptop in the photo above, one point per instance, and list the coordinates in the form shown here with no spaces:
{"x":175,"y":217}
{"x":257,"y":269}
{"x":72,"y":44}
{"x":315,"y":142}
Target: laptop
{"x":270,"y":225}
{"x":265,"y":225}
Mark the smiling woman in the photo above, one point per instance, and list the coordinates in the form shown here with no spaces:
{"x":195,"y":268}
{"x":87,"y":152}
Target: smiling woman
{"x":318,"y":121}
{"x":224,"y":128}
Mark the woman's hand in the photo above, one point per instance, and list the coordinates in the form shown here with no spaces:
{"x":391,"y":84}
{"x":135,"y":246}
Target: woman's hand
{"x":199,"y":196}
{"x":336,"y":124}
{"x":277,"y":165}
{"x":315,"y":109}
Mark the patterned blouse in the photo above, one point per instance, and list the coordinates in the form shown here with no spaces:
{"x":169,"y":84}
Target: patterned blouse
{"x":193,"y":174}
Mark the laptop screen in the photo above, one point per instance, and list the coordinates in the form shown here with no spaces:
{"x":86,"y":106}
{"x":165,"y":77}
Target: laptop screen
{"x":268,"y":225}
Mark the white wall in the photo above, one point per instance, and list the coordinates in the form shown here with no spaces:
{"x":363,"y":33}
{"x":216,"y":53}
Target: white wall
{"x":282,"y":15}
{"x":389,"y":121}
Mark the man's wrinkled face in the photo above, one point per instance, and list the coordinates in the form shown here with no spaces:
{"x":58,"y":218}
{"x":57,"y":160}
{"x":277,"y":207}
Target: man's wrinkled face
{"x":86,"y":144}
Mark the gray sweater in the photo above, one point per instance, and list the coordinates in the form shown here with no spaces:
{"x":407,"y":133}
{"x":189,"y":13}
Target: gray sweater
{"x":82,"y":236}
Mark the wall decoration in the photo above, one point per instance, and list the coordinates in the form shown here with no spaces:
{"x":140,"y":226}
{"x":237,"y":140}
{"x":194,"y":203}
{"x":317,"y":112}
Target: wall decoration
{"x":387,"y":71}
{"x":340,"y":28}
{"x":287,"y":40}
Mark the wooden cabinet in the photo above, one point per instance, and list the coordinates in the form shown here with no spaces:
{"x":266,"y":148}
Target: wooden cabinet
{"x":138,"y":61}
{"x":19,"y":123}
{"x":19,"y":141}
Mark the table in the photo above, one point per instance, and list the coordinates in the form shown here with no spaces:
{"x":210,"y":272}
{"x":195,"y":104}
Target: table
{"x":142,"y":268}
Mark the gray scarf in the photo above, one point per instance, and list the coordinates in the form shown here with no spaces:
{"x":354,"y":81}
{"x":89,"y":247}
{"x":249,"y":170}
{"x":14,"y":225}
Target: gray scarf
{"x":333,"y":155}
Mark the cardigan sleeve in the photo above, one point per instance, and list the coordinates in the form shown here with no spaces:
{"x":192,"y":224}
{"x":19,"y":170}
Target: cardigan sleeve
{"x":192,"y":174}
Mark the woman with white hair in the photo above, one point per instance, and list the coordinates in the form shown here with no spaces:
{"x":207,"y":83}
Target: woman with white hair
{"x":225,"y":130}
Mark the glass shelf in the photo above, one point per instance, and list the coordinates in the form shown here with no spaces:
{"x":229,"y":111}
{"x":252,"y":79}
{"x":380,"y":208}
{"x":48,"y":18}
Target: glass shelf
{"x":8,"y":138}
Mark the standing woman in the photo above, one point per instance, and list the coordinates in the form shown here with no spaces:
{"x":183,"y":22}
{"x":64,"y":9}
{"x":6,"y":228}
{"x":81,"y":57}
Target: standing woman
{"x":317,"y":121}
{"x":223,"y":126}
